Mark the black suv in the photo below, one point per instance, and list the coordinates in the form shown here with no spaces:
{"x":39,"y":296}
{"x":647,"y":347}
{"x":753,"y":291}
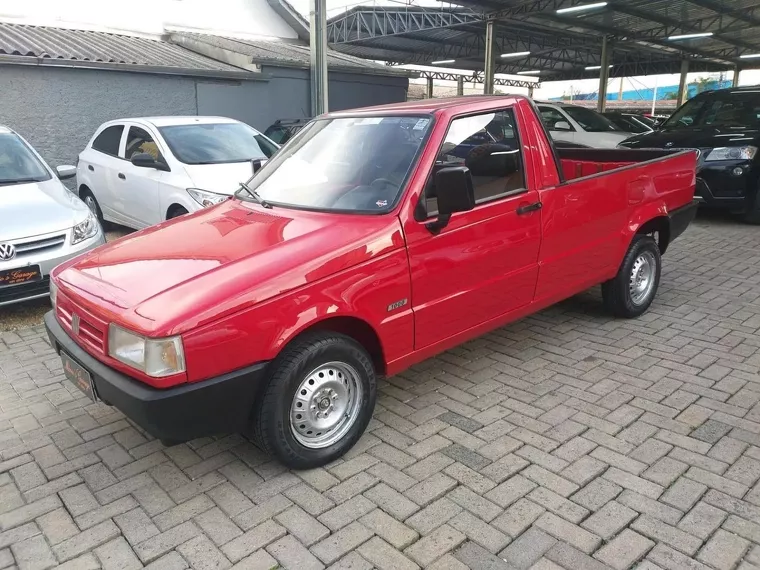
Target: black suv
{"x":724,"y":126}
{"x":284,"y":129}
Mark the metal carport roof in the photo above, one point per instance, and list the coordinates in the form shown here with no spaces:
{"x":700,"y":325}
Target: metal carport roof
{"x":561,"y":45}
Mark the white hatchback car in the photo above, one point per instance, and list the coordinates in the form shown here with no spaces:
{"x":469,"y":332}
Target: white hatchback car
{"x":580,"y":126}
{"x":139,"y":172}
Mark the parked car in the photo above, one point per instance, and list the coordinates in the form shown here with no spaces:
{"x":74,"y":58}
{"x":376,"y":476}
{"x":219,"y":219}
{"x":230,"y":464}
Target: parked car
{"x":725,"y":126}
{"x":630,"y":122}
{"x":139,"y":172}
{"x":366,"y":247}
{"x":42,"y":223}
{"x":579,"y":125}
{"x":282,"y":130}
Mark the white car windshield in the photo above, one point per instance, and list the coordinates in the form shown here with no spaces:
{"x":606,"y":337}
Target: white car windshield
{"x":18,"y":164}
{"x":217,"y":143}
{"x":346,"y":164}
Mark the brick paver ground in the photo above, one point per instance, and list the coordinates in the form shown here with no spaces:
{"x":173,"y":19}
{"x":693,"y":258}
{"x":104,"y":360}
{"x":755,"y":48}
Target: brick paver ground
{"x":567,"y":440}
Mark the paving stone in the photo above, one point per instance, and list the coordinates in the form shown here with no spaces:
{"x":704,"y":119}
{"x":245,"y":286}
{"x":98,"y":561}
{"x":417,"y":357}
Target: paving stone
{"x":136,"y":526}
{"x":523,"y":552}
{"x":480,"y":532}
{"x":389,"y":529}
{"x":702,"y":520}
{"x":306,"y":528}
{"x":711,"y":431}
{"x":510,"y":490}
{"x":558,"y":505}
{"x":33,"y":554}
{"x":472,"y":555}
{"x":430,"y":489}
{"x":434,"y":515}
{"x":608,"y":520}
{"x":340,"y":543}
{"x":434,"y":545}
{"x":683,"y":494}
{"x":573,"y":559}
{"x":648,"y":506}
{"x":625,"y":549}
{"x":57,"y":526}
{"x":391,"y":501}
{"x":596,"y":494}
{"x":518,"y":517}
{"x":384,"y":556}
{"x":218,"y":526}
{"x":568,"y":532}
{"x":474,"y":503}
{"x":670,"y":535}
{"x":723,"y":550}
{"x":117,"y":554}
{"x":665,"y":471}
{"x":85,"y":541}
{"x":248,"y":542}
{"x":340,"y":516}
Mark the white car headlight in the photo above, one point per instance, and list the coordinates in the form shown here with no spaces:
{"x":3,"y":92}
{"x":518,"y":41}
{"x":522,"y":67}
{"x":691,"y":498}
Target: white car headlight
{"x":206,"y":198}
{"x":85,"y":230}
{"x":155,"y":357}
{"x":732,"y":153}
{"x":53,"y":293}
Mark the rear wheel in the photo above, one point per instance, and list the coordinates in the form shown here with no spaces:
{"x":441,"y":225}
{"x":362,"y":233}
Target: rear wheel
{"x":317,"y":402}
{"x":630,"y":293}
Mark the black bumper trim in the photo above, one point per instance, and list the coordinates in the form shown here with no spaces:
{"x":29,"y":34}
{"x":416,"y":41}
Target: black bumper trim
{"x":218,"y":405}
{"x":680,"y":218}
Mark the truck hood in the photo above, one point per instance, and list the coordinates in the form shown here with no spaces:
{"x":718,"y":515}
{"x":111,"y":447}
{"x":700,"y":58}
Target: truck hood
{"x":38,"y":208}
{"x":219,"y":178}
{"x":174,"y":276}
{"x":699,"y":137}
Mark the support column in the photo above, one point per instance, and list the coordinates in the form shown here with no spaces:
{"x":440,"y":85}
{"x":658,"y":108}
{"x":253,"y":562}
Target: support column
{"x":530,"y":92}
{"x":683,"y":86}
{"x":620,"y":90}
{"x":489,"y":63}
{"x":429,"y":92}
{"x":460,"y":85}
{"x":735,"y":82}
{"x":318,"y":54}
{"x":604,"y":75}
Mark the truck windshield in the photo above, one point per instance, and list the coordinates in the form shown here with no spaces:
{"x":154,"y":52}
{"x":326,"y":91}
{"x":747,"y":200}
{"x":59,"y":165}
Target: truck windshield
{"x":591,"y":121}
{"x":735,"y":109}
{"x":344,"y":164}
{"x":18,"y":164}
{"x":204,"y":143}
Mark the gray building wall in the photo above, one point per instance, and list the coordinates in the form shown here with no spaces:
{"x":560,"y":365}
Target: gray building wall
{"x":58,"y":109}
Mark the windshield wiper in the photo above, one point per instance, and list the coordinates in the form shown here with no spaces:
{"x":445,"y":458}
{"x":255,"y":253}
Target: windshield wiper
{"x":21,"y":180}
{"x":255,"y":165}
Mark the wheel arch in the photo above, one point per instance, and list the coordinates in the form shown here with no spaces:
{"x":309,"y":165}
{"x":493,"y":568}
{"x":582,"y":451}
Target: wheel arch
{"x":353,"y":327}
{"x":172,"y":208}
{"x":649,"y":219}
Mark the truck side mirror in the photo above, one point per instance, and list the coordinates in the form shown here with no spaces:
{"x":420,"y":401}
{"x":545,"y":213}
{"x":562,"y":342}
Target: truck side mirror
{"x":455,"y":193}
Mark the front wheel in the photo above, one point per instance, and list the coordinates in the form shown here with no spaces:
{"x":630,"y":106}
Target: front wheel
{"x":630,"y":293}
{"x":318,"y":401}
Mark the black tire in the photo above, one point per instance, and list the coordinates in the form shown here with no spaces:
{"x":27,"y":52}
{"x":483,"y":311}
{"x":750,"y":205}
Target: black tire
{"x":271,"y":422}
{"x":89,"y":199}
{"x":617,"y":294}
{"x":176,"y":212}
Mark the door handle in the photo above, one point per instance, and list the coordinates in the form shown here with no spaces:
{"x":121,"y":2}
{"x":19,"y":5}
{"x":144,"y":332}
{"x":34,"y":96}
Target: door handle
{"x":522,"y":210}
{"x":90,"y":168}
{"x":122,"y":176}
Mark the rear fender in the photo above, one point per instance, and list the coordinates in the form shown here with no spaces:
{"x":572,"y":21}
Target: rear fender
{"x":642,"y":218}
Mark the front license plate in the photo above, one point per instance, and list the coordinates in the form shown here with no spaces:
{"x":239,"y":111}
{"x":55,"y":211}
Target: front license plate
{"x":80,"y":377}
{"x":20,"y":276}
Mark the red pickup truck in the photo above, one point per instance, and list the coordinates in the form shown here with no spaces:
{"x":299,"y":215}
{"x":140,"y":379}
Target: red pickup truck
{"x":373,"y":240}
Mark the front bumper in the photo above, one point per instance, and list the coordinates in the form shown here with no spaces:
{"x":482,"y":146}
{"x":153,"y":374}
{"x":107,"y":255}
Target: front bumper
{"x":47,"y":260}
{"x":219,"y":405}
{"x":718,"y":187}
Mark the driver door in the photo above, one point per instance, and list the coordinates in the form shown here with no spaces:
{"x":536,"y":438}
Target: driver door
{"x":138,"y":187}
{"x":484,"y":263}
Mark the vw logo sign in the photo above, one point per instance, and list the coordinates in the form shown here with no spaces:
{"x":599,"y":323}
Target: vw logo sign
{"x":669,"y":144}
{"x":7,"y":251}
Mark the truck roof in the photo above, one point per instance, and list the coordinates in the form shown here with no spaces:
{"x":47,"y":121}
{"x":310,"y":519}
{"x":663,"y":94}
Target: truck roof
{"x":426,"y":105}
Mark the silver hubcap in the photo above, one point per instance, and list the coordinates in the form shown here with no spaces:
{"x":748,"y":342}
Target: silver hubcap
{"x":90,"y":201}
{"x":641,"y":282}
{"x":326,"y":405}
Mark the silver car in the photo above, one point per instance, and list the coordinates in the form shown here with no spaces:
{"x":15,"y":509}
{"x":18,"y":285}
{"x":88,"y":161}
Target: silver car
{"x":42,"y":223}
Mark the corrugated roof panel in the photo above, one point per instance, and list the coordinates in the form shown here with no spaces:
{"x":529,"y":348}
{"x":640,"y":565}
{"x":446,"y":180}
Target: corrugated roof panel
{"x":91,"y":46}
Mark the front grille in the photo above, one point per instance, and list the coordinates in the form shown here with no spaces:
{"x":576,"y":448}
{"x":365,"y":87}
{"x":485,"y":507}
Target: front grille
{"x":91,"y":333}
{"x":24,"y":290}
{"x":40,"y":245}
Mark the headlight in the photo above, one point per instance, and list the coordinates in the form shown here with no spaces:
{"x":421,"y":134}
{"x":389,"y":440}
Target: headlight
{"x":732,"y":153}
{"x":205,"y":198}
{"x":53,"y":293}
{"x":155,"y":357}
{"x":84,"y":230}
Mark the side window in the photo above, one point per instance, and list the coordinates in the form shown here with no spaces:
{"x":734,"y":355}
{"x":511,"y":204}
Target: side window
{"x":266,"y":147}
{"x":551,"y":117}
{"x":140,"y":141}
{"x":277,"y":134}
{"x":488,"y":145}
{"x":108,"y":141}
